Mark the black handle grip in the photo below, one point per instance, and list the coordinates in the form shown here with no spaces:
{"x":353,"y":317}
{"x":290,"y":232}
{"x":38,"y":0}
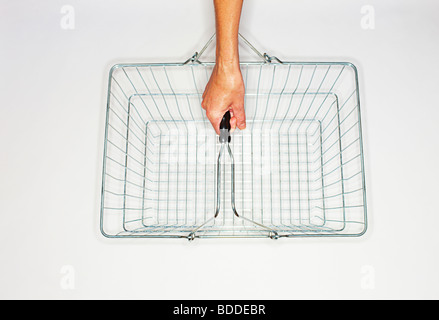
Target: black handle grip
{"x":225,"y":128}
{"x":225,"y":122}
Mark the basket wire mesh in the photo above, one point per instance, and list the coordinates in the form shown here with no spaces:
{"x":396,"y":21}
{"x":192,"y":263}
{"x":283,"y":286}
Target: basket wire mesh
{"x":298,"y":166}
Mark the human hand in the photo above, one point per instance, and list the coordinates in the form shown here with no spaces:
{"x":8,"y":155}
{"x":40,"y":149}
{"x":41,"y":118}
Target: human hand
{"x":225,"y":92}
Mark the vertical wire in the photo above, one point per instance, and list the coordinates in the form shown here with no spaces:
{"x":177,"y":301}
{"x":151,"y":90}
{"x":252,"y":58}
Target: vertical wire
{"x":149,"y":93}
{"x":321,"y":168}
{"x":169,"y":140}
{"x":292,"y":96}
{"x":242,"y":147}
{"x":144,"y":179}
{"x":187,"y":164}
{"x":178,"y":143}
{"x":205,"y":159}
{"x":137,"y":93}
{"x":127,"y":137}
{"x":167,"y":186}
{"x":280,"y":96}
{"x":253,"y":125}
{"x":163,"y":97}
{"x":307,"y":177}
{"x":126,"y":170}
{"x":329,"y":91}
{"x":341,"y":170}
{"x":306,"y":137}
{"x":123,"y":108}
{"x":279,"y":144}
{"x":262,"y":179}
{"x":298,"y":180}
{"x":196,"y":145}
{"x":269,"y":139}
{"x":290,"y":191}
{"x":158,"y":181}
{"x":187,"y":160}
{"x":303,"y":96}
{"x":315,"y":95}
{"x":280,"y":182}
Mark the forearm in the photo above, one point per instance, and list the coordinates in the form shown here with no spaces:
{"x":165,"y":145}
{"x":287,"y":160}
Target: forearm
{"x":227,"y":16}
{"x":225,"y":89}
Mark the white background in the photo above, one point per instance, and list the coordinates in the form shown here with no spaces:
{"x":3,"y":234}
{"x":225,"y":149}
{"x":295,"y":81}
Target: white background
{"x":52,"y":115}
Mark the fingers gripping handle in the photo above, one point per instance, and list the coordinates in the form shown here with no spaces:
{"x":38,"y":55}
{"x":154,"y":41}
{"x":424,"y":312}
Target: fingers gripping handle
{"x":225,"y":122}
{"x":225,"y":128}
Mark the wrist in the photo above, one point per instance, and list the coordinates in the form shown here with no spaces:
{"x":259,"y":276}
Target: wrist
{"x":227,"y":63}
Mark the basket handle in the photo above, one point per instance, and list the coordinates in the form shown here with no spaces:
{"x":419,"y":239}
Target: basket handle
{"x":265,"y":57}
{"x":225,"y":128}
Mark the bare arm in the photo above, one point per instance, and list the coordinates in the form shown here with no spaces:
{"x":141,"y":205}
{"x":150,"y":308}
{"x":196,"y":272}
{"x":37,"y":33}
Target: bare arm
{"x":225,"y":89}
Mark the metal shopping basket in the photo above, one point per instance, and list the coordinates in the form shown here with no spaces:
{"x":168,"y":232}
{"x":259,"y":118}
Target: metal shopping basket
{"x":296,"y":170}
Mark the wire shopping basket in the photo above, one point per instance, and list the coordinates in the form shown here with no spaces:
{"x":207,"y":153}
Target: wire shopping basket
{"x":296,"y":170}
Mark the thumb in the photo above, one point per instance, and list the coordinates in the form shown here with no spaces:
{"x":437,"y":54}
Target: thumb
{"x":232,"y":124}
{"x":239,"y":114}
